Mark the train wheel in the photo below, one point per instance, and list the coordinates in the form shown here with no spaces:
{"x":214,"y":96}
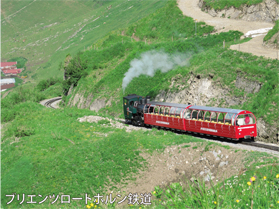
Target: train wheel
{"x":139,"y":121}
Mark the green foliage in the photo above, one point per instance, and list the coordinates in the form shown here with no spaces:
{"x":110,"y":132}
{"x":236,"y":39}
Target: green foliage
{"x":272,"y":32}
{"x":234,"y":192}
{"x":221,"y":4}
{"x":74,"y":71}
{"x":44,"y":84}
{"x":168,"y":23}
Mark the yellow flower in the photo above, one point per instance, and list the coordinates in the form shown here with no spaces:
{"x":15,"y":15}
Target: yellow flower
{"x":253,"y":178}
{"x":264,"y":177}
{"x":249,"y":183}
{"x":88,"y":206}
{"x":278,"y":202}
{"x":215,"y":202}
{"x":95,"y":206}
{"x":91,"y":204}
{"x":277,"y":176}
{"x":237,"y":201}
{"x":154,"y":192}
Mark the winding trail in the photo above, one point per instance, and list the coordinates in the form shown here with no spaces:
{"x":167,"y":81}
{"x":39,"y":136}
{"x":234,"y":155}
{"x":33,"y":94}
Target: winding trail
{"x":254,"y":46}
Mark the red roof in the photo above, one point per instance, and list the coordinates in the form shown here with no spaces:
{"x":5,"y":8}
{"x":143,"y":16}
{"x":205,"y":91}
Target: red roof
{"x":12,"y":71}
{"x":7,"y":86}
{"x":8,"y":64}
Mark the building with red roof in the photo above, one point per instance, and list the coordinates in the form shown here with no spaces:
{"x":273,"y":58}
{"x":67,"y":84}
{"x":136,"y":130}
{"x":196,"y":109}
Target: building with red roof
{"x":4,"y":65}
{"x":7,"y":86}
{"x":11,"y":71}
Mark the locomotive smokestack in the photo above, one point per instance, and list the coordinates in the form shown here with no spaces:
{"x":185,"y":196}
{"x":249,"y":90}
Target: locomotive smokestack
{"x":147,"y":99}
{"x":142,"y":101}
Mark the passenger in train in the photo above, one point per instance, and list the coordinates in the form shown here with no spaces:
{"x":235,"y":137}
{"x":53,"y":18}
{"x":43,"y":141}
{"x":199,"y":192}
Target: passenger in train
{"x":247,"y":119}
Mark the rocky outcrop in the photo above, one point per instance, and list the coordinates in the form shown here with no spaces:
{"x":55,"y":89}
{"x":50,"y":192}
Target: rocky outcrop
{"x":273,"y":42}
{"x":199,"y":91}
{"x":267,"y":11}
{"x":88,"y":102}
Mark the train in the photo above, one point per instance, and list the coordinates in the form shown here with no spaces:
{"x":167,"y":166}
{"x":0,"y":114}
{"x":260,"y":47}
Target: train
{"x":227,"y":123}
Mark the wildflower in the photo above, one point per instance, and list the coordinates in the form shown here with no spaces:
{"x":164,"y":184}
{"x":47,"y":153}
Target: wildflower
{"x":154,"y":192}
{"x":277,"y":176}
{"x":88,"y":206}
{"x":91,"y":204}
{"x":237,"y":201}
{"x":215,"y":202}
{"x":253,"y":178}
{"x":249,"y":183}
{"x":278,"y":201}
{"x":264,"y":177}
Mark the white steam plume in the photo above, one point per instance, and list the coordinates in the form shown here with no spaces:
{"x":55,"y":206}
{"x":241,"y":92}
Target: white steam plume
{"x":152,"y":61}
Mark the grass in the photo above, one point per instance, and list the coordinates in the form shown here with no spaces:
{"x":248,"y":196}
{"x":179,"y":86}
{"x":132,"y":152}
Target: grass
{"x":45,"y":135}
{"x":62,"y":27}
{"x":254,"y":189}
{"x":272,"y":32}
{"x":221,"y":4}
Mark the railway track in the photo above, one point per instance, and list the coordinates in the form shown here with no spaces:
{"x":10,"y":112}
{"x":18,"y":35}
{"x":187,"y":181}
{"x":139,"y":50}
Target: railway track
{"x":48,"y":103}
{"x":218,"y":139}
{"x":257,"y":144}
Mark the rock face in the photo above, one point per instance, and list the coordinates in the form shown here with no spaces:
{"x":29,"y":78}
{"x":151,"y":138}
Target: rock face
{"x":267,"y":11}
{"x":201,"y":91}
{"x":273,"y":42}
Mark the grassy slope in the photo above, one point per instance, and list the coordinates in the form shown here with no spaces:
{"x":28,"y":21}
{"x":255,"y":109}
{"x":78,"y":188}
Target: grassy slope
{"x":272,"y":32}
{"x":221,"y":4}
{"x":45,"y":137}
{"x":62,"y":27}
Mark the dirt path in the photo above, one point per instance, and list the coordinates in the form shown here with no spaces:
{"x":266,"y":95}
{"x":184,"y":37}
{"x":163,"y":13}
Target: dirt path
{"x":191,"y":9}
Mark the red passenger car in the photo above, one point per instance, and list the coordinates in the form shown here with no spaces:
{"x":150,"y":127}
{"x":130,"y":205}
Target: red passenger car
{"x":223,"y":122}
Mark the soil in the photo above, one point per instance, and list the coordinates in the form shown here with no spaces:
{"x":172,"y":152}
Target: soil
{"x":254,"y":46}
{"x":178,"y":164}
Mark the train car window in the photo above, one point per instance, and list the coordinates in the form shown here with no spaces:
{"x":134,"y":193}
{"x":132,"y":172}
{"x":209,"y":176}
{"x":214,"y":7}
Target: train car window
{"x":125,"y":101}
{"x":135,"y":103}
{"x":207,"y":116}
{"x":172,"y":111}
{"x":145,"y":109}
{"x":194,"y":114}
{"x":132,"y":103}
{"x":221,"y":117}
{"x":249,"y":119}
{"x":156,"y":110}
{"x":245,"y":119}
{"x":213,"y":117}
{"x":151,"y":109}
{"x":200,"y":115}
{"x":161,"y":112}
{"x":177,"y":112}
{"x":187,"y":114}
{"x":167,"y":111}
{"x":240,"y":120}
{"x":228,"y":119}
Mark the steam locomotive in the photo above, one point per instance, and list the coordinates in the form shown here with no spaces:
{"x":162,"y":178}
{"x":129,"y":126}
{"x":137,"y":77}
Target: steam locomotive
{"x":233,"y":124}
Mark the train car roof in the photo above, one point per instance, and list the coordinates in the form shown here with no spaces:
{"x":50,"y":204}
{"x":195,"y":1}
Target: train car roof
{"x":169,"y":104}
{"x":215,"y":109}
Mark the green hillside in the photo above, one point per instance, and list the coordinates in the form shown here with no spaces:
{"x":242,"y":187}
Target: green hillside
{"x":48,"y":151}
{"x":43,"y":32}
{"x":221,"y":4}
